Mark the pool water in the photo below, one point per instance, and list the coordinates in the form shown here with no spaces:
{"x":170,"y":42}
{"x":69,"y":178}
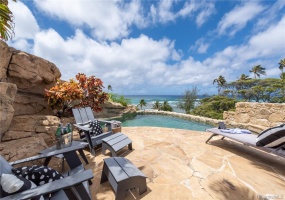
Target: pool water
{"x":163,"y":121}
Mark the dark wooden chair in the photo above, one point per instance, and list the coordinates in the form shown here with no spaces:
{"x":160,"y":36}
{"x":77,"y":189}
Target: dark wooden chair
{"x":74,"y":186}
{"x":83,"y":117}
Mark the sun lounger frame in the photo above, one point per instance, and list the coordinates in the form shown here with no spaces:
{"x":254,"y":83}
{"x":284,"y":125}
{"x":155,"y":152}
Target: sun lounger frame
{"x":246,"y":139}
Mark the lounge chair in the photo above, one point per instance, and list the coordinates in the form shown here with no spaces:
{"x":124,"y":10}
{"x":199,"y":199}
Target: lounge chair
{"x":74,"y":186}
{"x":246,"y":139}
{"x":83,"y":118}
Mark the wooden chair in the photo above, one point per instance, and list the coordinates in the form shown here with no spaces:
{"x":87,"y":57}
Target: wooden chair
{"x":74,"y":186}
{"x":83,"y":117}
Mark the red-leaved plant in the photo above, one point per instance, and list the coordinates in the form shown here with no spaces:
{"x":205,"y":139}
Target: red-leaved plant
{"x":82,"y":92}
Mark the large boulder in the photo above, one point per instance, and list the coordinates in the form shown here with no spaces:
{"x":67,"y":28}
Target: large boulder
{"x":32,"y":75}
{"x":5,"y":57}
{"x":28,"y":126}
{"x":22,"y":148}
{"x":7,"y":96}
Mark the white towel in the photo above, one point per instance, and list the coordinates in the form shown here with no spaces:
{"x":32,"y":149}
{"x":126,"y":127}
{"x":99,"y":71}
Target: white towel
{"x":236,"y":131}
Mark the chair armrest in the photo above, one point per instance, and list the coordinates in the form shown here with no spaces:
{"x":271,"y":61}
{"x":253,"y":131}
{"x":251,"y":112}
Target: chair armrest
{"x":50,"y":154}
{"x":81,"y":127}
{"x":108,"y":122}
{"x":28,"y":159}
{"x":54,"y":186}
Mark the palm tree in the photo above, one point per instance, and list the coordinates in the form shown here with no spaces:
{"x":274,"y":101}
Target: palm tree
{"x":221,"y":81}
{"x":142,"y":103}
{"x":156,"y":105}
{"x":166,"y":106}
{"x":243,"y":77}
{"x":110,"y":88}
{"x":6,"y":21}
{"x":257,"y":71}
{"x":282,"y":77}
{"x":282,"y":65}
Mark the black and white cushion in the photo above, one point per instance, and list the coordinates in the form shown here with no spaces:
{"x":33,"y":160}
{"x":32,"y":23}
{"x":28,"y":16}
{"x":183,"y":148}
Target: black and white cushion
{"x":38,"y":174}
{"x":12,"y":184}
{"x":273,"y":137}
{"x":96,"y":128}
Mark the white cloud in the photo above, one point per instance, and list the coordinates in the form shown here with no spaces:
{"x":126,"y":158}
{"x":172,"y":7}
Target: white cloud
{"x":126,"y":61}
{"x":263,"y":47}
{"x":106,"y":19}
{"x":164,"y":11}
{"x":237,"y":19}
{"x":188,"y":9}
{"x":203,"y":16}
{"x":270,"y":15}
{"x":140,"y":64}
{"x":200,"y":46}
{"x":21,"y":44}
{"x":25,"y":23}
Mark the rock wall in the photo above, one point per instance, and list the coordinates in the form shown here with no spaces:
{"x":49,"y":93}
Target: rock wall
{"x":32,"y":75}
{"x":7,"y":96}
{"x":24,"y":130}
{"x":256,"y":116}
{"x":27,"y":135}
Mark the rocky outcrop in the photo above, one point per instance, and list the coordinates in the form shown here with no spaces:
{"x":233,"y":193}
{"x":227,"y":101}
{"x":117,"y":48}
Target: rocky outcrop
{"x":32,"y":75}
{"x":28,"y":126}
{"x":7,"y":96}
{"x":22,"y":148}
{"x":112,"y":109}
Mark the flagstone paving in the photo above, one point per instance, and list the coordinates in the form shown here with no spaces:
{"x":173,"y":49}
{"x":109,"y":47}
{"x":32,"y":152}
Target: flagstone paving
{"x":180,"y":165}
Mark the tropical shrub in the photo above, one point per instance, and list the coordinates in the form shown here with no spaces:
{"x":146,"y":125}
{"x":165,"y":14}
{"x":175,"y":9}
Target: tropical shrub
{"x":165,"y":106}
{"x":213,"y":107}
{"x":156,"y":105}
{"x":82,"y":92}
{"x":187,"y":102}
{"x":142,"y":103}
{"x":119,"y":99}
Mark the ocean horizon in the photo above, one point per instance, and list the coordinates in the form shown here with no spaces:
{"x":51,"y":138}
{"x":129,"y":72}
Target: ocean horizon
{"x":151,"y":99}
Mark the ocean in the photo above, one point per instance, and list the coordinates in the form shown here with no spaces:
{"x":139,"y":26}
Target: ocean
{"x":151,"y":99}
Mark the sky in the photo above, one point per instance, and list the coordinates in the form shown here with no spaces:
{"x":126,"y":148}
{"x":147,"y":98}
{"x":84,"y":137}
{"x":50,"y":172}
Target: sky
{"x":151,"y":47}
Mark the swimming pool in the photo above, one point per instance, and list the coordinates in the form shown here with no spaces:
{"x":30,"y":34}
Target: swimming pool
{"x":163,"y":121}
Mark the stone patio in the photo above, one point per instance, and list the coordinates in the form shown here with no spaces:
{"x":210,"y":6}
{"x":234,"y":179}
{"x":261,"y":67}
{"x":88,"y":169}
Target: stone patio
{"x":179,"y":165}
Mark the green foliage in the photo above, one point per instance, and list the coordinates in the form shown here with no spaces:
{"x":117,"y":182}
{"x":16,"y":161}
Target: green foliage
{"x":166,"y":107}
{"x":142,"y":103}
{"x":257,"y":71}
{"x":213,"y":107}
{"x":259,"y":90}
{"x":6,"y":21}
{"x":119,"y":99}
{"x":221,"y":81}
{"x":156,"y":105}
{"x":187,"y":102}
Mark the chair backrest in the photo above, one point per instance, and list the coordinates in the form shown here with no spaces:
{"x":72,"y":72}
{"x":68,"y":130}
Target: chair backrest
{"x":83,"y":115}
{"x":5,"y":167}
{"x":222,"y":125}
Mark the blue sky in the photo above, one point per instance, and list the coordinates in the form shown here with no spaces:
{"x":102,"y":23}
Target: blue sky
{"x":153,"y":47}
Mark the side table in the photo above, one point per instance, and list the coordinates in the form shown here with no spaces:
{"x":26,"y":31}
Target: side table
{"x":115,"y":143}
